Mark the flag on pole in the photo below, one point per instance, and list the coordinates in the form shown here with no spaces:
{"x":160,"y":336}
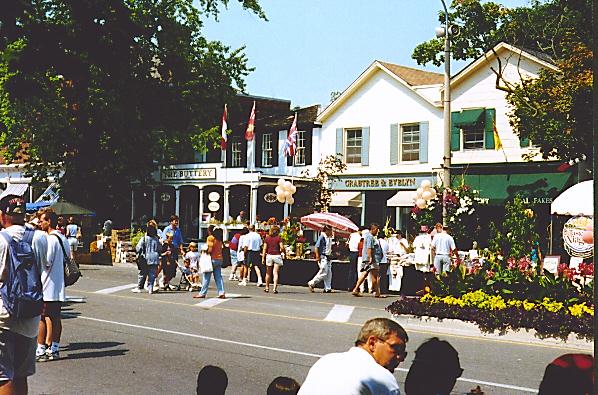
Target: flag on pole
{"x":224,"y":138}
{"x":290,"y":144}
{"x":497,"y":142}
{"x":250,"y":124}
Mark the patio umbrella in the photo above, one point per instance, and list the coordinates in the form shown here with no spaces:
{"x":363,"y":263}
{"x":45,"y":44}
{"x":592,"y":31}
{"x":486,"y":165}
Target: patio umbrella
{"x":67,"y":208}
{"x":340,"y":225}
{"x":577,"y":200}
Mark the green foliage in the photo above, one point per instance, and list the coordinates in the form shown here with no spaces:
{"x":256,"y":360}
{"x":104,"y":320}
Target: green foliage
{"x":328,"y":170}
{"x":99,"y":91}
{"x":552,"y":110}
{"x":136,"y":236}
{"x":518,"y":231}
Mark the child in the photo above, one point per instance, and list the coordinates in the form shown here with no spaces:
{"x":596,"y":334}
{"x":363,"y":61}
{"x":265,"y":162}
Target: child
{"x":193,"y":256}
{"x":191,"y":272}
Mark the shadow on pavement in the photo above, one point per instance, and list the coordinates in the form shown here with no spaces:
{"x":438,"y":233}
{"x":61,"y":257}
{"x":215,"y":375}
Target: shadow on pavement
{"x":90,"y":346}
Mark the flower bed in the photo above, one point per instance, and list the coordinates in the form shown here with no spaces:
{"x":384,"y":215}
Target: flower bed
{"x":549,"y":318}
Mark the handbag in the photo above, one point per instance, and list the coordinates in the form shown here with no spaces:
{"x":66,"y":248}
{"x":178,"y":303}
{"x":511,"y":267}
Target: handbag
{"x":71,"y":269}
{"x":140,"y":260}
{"x":205,"y":263}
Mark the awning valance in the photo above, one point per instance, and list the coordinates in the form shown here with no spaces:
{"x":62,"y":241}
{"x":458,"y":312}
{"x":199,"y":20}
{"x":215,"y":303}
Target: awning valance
{"x":14,"y":189}
{"x":468,"y":117}
{"x":346,"y":199}
{"x":402,"y":199}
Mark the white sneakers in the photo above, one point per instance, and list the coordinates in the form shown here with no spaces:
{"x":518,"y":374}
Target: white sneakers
{"x":243,"y":283}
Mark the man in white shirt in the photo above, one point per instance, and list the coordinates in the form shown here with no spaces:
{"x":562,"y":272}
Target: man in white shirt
{"x":366,"y":368}
{"x":421,"y":248}
{"x":252,"y":245}
{"x":354,"y":239}
{"x":50,"y":325}
{"x":443,"y":246}
{"x":17,"y":336}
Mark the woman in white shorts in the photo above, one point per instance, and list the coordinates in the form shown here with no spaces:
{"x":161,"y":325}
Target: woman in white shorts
{"x":272,"y":257}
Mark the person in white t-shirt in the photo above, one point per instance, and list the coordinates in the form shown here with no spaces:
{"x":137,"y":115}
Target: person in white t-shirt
{"x":50,"y":325}
{"x":421,"y":248}
{"x":354,"y":239}
{"x":193,"y":256}
{"x":366,"y":368}
{"x":443,"y":246}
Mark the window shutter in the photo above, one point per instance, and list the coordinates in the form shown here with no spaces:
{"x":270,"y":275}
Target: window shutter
{"x":423,"y":142}
{"x":340,"y":143}
{"x":394,"y":143}
{"x":489,"y":128}
{"x":523,"y":143}
{"x":365,"y":146}
{"x":259,"y":140}
{"x":309,"y":138}
{"x":244,"y":151}
{"x":455,"y":132}
{"x":275,"y":142}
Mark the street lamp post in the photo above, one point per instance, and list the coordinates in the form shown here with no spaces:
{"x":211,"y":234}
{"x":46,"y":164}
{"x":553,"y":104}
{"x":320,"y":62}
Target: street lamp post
{"x":446,"y":103}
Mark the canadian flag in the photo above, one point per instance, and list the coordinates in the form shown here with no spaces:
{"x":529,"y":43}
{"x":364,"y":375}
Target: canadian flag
{"x":224,"y":138}
{"x":250,"y":125}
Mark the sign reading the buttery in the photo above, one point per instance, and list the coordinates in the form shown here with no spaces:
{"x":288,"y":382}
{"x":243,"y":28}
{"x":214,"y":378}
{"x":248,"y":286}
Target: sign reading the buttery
{"x":187,"y":172}
{"x":377,"y":182}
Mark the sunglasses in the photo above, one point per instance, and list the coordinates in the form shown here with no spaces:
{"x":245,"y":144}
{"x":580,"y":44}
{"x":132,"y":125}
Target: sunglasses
{"x":399,"y":349}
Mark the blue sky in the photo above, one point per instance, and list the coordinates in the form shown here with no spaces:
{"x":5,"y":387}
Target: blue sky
{"x":310,"y":48}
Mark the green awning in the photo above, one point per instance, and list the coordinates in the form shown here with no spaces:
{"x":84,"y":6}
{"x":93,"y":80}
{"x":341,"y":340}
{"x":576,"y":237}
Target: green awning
{"x":468,"y":117}
{"x":537,"y":188}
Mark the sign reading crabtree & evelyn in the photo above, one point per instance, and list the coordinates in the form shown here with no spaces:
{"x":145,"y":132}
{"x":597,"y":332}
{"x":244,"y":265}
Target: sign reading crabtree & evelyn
{"x":377,"y":182}
{"x":187,"y":172}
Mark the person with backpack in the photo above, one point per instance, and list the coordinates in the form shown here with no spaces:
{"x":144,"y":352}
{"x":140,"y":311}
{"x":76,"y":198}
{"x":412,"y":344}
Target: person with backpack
{"x":372,"y":257}
{"x":52,"y":276}
{"x":23,"y":252}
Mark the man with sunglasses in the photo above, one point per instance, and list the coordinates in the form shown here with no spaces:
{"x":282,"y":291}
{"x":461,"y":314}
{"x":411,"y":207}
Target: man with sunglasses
{"x":366,"y":368}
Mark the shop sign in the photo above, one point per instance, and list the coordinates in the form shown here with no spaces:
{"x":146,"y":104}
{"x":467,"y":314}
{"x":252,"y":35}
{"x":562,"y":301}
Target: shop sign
{"x":376,"y":182}
{"x":270,"y":197}
{"x":537,"y":200}
{"x":187,"y":172}
{"x":572,"y":237}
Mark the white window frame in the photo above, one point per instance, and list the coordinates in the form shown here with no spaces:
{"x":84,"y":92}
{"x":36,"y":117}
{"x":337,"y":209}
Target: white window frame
{"x":300,"y":152}
{"x":346,"y":145}
{"x":402,"y":143}
{"x":236,"y":152}
{"x":481,"y":142}
{"x":267,"y":150}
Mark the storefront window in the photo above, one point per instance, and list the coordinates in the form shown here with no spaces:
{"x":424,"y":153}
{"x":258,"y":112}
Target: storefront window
{"x":267,"y":150}
{"x":410,"y":143}
{"x":353,"y":146}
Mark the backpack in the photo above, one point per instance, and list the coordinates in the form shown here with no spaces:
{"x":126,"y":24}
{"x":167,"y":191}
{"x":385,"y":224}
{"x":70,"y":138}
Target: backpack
{"x":21,"y":292}
{"x":71,"y":269}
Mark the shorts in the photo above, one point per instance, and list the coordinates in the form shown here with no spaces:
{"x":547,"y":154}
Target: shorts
{"x":186,"y":272}
{"x":274,"y":260}
{"x":17,"y":355}
{"x":233,"y":257}
{"x":253,"y":258}
{"x":51,"y":309}
{"x":367,"y":267}
{"x":73,"y":243}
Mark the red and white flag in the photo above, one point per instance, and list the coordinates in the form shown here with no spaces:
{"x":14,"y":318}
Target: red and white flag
{"x":250,"y":125}
{"x":290,"y":145}
{"x":224,"y":138}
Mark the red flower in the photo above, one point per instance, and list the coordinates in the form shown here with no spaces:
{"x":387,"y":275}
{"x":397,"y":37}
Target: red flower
{"x":586,"y":269}
{"x":489,"y":274}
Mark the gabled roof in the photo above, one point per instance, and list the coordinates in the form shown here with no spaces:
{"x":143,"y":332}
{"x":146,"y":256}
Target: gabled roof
{"x":414,"y":77}
{"x":407,"y":76}
{"x":488,"y":57}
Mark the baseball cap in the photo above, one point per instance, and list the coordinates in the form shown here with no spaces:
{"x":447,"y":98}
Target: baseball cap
{"x":12,"y":205}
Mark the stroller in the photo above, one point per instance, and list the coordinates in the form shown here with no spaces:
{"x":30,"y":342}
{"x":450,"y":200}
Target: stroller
{"x":186,"y":280}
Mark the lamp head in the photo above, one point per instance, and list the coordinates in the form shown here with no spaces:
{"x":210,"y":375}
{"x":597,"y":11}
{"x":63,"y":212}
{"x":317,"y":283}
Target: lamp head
{"x":439,"y":31}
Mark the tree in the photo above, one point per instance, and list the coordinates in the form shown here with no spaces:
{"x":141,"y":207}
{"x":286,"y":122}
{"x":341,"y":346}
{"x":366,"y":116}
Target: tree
{"x":554,"y":110}
{"x":105,"y":90}
{"x":328,"y":170}
{"x":517,"y":235}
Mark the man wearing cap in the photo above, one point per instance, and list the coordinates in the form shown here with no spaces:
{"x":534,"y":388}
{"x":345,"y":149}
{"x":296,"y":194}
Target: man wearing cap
{"x":17,"y":336}
{"x":366,"y":368}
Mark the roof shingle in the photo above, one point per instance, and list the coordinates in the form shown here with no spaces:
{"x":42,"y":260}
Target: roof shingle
{"x":414,"y":77}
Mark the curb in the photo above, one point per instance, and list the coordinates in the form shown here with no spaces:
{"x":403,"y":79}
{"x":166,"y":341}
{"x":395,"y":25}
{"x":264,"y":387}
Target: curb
{"x":467,"y":329}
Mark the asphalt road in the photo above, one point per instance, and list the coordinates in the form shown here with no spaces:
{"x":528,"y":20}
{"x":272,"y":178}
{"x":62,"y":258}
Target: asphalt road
{"x":118,"y":342}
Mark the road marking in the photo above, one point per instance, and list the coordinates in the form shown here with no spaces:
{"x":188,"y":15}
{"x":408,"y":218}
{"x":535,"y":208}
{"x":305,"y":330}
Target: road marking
{"x":412,"y":328}
{"x":282,"y":350}
{"x":209,"y":303}
{"x":340,"y":313}
{"x":112,"y":290}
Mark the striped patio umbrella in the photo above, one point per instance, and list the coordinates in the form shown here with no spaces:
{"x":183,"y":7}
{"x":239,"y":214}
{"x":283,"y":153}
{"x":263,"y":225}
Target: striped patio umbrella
{"x":343,"y":226}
